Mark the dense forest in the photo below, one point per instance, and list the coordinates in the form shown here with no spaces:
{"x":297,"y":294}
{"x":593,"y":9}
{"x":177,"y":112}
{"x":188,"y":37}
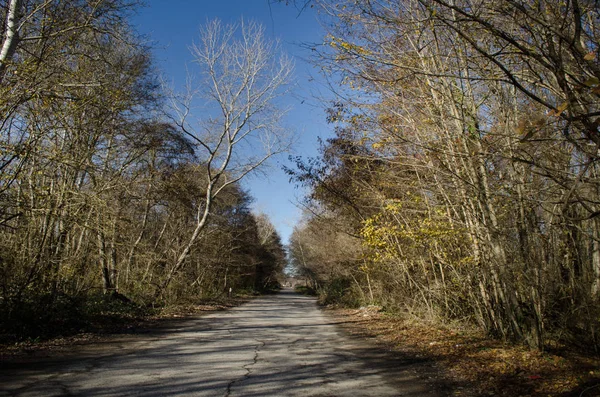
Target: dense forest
{"x":107,"y":190}
{"x":463,"y":181}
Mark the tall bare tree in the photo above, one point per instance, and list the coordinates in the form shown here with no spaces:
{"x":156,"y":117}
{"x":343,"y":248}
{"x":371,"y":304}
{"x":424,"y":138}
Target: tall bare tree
{"x":240,"y":74}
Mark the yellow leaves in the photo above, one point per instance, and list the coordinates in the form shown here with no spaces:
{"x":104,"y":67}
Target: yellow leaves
{"x":467,"y":260}
{"x":355,"y":119}
{"x":382,"y":143}
{"x":592,"y":82}
{"x":562,"y":107}
{"x":340,"y":44}
{"x":559,"y":109}
{"x":590,"y":56}
{"x":399,"y":232}
{"x":393,"y":206}
{"x":374,"y":236}
{"x":532,"y":125}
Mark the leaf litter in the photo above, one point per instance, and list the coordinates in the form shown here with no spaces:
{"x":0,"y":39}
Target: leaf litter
{"x":476,"y":365}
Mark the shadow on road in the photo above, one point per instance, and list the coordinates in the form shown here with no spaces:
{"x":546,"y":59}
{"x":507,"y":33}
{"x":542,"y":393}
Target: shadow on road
{"x":276,"y":345}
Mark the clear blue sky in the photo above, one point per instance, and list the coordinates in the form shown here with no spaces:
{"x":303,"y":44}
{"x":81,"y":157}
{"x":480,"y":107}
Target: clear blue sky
{"x":172,"y":26}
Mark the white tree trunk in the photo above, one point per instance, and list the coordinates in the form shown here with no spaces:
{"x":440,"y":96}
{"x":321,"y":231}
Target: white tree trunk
{"x":11,"y":36}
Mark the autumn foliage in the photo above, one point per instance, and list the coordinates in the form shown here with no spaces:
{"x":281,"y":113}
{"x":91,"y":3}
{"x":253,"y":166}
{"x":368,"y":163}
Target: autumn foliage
{"x":462,"y":183}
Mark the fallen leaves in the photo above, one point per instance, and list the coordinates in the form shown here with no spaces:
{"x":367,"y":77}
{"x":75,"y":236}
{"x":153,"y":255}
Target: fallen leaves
{"x":481,"y":366}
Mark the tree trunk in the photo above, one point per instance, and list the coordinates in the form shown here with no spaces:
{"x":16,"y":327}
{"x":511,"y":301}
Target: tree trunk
{"x":104,"y":263}
{"x":11,"y":35}
{"x":188,"y":247}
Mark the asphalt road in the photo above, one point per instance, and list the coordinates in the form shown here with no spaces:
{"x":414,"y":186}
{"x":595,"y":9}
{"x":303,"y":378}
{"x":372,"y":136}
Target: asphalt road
{"x":279,"y":345}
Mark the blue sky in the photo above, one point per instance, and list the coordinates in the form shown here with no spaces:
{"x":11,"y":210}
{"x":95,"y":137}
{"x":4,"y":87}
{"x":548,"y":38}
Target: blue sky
{"x":173,"y":25}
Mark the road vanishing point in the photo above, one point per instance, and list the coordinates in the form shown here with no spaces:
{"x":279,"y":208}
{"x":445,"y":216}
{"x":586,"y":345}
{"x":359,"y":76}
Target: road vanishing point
{"x":277,"y":345}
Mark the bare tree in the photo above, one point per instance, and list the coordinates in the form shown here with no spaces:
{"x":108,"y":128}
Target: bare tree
{"x":240,"y":75}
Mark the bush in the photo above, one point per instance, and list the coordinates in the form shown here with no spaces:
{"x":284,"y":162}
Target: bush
{"x":305,"y":290}
{"x":340,"y":291}
{"x":44,"y":316}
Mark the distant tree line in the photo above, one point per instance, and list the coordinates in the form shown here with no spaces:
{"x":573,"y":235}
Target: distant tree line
{"x":463,"y":182}
{"x":104,"y":188}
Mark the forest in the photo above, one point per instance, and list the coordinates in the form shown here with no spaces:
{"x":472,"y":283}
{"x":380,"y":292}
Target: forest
{"x":462,"y":184}
{"x":110,"y":196}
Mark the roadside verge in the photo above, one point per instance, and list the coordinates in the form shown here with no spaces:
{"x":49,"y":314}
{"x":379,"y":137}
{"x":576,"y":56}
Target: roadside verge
{"x":475,"y":365}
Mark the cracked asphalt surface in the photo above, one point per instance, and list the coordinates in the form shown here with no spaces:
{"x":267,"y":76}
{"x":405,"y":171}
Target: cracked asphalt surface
{"x":279,"y":345}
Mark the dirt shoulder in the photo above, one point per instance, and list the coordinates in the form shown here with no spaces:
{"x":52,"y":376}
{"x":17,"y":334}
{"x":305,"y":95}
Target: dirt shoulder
{"x":475,"y":365}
